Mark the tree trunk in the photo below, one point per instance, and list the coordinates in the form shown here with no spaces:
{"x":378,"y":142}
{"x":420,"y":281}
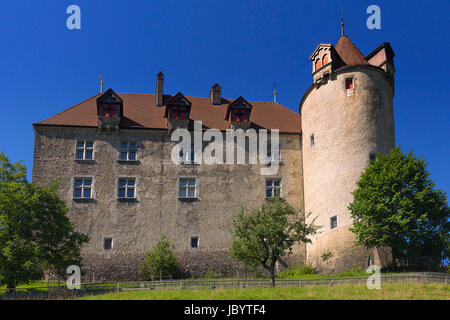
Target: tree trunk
{"x":272,"y":274}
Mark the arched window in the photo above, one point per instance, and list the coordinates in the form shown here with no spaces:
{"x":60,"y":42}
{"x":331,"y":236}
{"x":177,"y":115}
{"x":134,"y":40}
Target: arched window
{"x":318,"y":64}
{"x":324,"y":60}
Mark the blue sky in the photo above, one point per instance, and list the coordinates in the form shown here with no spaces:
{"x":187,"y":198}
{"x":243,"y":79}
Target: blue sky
{"x":245,"y":46}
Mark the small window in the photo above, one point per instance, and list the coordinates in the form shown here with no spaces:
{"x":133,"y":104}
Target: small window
{"x":318,"y":64}
{"x":273,"y":188}
{"x":311,"y":140}
{"x":194,"y":242}
{"x":110,"y":110}
{"x":178,"y":112}
{"x":333,"y":222}
{"x":187,"y":156}
{"x":82,"y":188}
{"x":128,"y":151}
{"x":372,"y":157}
{"x":274,"y":154}
{"x":187,"y":188}
{"x":240,"y":114}
{"x":127,"y":188}
{"x":349,"y":83}
{"x":107,"y":243}
{"x":324,"y":60}
{"x":84,"y":150}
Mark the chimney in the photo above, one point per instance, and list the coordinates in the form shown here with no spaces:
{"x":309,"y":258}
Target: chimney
{"x":159,"y":89}
{"x":214,"y":95}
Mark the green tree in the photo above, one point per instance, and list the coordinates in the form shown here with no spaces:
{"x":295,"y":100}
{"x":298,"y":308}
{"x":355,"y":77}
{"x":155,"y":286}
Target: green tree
{"x":35,"y":233}
{"x":395,"y":205}
{"x":159,"y":261}
{"x":267,"y":233}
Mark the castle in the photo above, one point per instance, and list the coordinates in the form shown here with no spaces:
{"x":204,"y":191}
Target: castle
{"x":112,"y":155}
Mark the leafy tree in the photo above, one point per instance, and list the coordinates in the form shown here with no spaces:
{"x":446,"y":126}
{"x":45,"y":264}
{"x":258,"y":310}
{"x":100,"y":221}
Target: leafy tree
{"x":395,"y":205}
{"x":267,"y":233}
{"x":159,"y":261}
{"x":35,"y":233}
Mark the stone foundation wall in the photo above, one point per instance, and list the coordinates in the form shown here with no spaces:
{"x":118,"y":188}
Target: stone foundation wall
{"x":123,"y":266}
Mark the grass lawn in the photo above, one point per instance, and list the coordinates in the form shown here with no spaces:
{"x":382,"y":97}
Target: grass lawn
{"x":393,"y":291}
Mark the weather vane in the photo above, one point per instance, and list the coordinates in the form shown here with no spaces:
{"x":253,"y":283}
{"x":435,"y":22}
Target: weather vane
{"x":100,"y":76}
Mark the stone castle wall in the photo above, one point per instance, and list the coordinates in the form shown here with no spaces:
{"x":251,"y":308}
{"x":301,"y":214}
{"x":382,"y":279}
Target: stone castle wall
{"x":136,"y":225}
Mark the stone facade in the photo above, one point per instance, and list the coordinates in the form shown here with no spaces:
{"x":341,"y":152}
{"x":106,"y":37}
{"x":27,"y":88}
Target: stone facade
{"x":347,"y":127}
{"x":136,"y":225}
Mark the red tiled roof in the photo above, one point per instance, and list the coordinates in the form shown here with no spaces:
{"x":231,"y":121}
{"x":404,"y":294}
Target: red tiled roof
{"x":349,"y":53}
{"x":139,"y":111}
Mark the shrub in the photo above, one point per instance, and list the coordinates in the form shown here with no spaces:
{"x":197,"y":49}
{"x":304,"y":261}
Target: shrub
{"x":159,"y":261}
{"x":297,"y":271}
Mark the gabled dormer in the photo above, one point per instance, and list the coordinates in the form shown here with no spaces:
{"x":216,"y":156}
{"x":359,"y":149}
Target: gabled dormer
{"x":177,"y":112}
{"x":109,"y":111}
{"x":324,"y":60}
{"x":238,"y":114}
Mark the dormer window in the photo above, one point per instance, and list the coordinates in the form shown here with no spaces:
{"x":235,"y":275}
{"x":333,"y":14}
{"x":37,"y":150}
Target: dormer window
{"x":178,"y":109}
{"x":109,"y":111}
{"x":178,"y":113}
{"x":239,"y":113}
{"x":318,"y":64}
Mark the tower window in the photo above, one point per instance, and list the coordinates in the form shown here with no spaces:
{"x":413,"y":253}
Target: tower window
{"x":107,"y":243}
{"x":311,"y":140}
{"x":194,"y":242}
{"x":318,"y":64}
{"x":333,"y":222}
{"x":349,"y":83}
{"x":324,"y":60}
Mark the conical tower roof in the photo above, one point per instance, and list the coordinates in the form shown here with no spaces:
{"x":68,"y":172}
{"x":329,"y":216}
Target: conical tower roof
{"x":349,"y":53}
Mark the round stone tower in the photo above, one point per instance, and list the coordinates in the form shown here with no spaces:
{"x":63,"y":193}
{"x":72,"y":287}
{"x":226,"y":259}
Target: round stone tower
{"x":347,"y":117}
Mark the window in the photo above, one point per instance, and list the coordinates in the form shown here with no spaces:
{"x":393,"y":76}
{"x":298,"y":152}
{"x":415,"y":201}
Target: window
{"x":128,"y":151}
{"x":187,"y":156}
{"x":324,"y":60}
{"x":372,"y":157}
{"x":82,"y":188}
{"x":349,"y":83}
{"x":318,"y":64}
{"x":274,"y":154}
{"x":311,"y":140}
{"x":194,"y":242}
{"x":110,"y":110}
{"x":107,"y":243}
{"x":127,"y":188}
{"x":85,"y":150}
{"x":238,"y":115}
{"x":187,"y":188}
{"x":178,"y":112}
{"x":273,"y":188}
{"x":333,"y":222}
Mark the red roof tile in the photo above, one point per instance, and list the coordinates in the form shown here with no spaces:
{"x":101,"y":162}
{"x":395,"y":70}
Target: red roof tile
{"x":139,"y":111}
